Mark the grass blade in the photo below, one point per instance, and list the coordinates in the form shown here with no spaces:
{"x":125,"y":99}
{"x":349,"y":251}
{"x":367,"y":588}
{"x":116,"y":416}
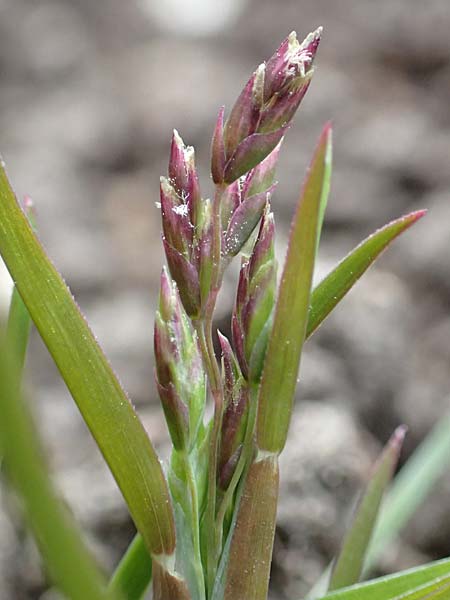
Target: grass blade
{"x":439,"y":589}
{"x":408,"y":491}
{"x":411,"y":486}
{"x":336,"y":284}
{"x":88,"y":375}
{"x":19,"y":321}
{"x":350,"y":561}
{"x":18,"y":329}
{"x":67,"y":559}
{"x":279,"y":376}
{"x":328,"y":164}
{"x":392,"y":587}
{"x":250,"y":553}
{"x":133,"y":574}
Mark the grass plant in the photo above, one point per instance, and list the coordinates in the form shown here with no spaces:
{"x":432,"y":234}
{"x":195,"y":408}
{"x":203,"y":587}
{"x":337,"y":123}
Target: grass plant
{"x":206,"y":523}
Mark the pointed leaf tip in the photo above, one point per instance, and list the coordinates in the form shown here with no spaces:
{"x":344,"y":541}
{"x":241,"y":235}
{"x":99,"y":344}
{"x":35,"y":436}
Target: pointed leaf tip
{"x":282,"y":361}
{"x":342,"y":278}
{"x":398,"y":437}
{"x":350,"y":561}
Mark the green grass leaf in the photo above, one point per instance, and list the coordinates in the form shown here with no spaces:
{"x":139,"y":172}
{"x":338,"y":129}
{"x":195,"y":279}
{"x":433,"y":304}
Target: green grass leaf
{"x":282,"y":361}
{"x":411,"y":486}
{"x":392,"y":587}
{"x":336,"y":284}
{"x":133,"y":574}
{"x":69,"y":563}
{"x":100,"y":398}
{"x":350,"y":561}
{"x":408,"y":491}
{"x":328,"y":164}
{"x":439,"y":589}
{"x":18,"y":329}
{"x":19,"y":321}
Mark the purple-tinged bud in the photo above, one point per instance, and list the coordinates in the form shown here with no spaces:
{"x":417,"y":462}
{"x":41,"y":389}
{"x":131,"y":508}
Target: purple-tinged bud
{"x":290,"y":65}
{"x":263,"y":252}
{"x":218,"y":150}
{"x":230,"y":200}
{"x":176,"y":413}
{"x":262,"y":177}
{"x":288,"y":75}
{"x":177,"y":227}
{"x":179,"y":370}
{"x":238,"y":334}
{"x":245,"y":114}
{"x":251,"y":320}
{"x":181,"y":209}
{"x":251,"y":152}
{"x":186,"y":276}
{"x":183,"y":174}
{"x":235,"y":415}
{"x":244,"y":202}
{"x":226,"y":470}
{"x":244,"y":220}
{"x":231,"y":373}
{"x":204,"y":235}
{"x":264,"y":109}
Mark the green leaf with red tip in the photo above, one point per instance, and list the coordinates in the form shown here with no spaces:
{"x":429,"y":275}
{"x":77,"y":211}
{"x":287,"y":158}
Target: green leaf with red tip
{"x":407,"y":492}
{"x":350,"y":561}
{"x":328,"y":161}
{"x":411,"y":486}
{"x":101,"y":400}
{"x":417,"y":583}
{"x":291,"y":312}
{"x":336,"y":284}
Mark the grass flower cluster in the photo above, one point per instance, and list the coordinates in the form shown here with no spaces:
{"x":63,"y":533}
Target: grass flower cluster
{"x":206,"y":523}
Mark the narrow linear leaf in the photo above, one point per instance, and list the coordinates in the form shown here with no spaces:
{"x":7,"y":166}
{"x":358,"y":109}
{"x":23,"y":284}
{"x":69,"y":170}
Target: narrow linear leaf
{"x":18,"y":329}
{"x":411,"y":486}
{"x":19,"y":321}
{"x":133,"y":574}
{"x":328,"y":164}
{"x":68,"y":561}
{"x":392,"y":587}
{"x":407,"y":492}
{"x":336,"y":284}
{"x":282,"y":361}
{"x":251,"y":545}
{"x":101,"y":400}
{"x":350,"y":561}
{"x":439,"y":589}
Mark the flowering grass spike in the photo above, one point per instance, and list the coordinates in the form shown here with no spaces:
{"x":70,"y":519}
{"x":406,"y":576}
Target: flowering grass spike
{"x":206,"y":525}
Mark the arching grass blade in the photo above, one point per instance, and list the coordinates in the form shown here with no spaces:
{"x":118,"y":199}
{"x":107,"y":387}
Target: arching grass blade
{"x":66,"y":557}
{"x":88,"y":375}
{"x":336,"y":284}
{"x":350,"y":561}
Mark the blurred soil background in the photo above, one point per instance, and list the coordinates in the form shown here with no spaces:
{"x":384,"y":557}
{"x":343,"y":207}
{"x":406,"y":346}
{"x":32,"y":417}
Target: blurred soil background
{"x":89,"y":94}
